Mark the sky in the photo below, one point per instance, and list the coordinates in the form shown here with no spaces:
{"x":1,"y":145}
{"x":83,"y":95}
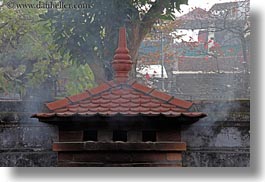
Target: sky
{"x":204,"y":4}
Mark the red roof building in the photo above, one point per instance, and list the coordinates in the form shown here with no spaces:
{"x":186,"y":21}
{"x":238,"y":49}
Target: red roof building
{"x":196,"y":14}
{"x":120,"y":122}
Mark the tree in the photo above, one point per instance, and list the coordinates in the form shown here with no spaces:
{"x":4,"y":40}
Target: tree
{"x":90,"y":34}
{"x":233,"y":18}
{"x":19,"y":48}
{"x":29,"y":61}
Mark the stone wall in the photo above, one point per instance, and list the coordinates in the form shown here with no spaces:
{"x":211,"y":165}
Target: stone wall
{"x":209,"y":86}
{"x":25,"y":141}
{"x":221,"y":139}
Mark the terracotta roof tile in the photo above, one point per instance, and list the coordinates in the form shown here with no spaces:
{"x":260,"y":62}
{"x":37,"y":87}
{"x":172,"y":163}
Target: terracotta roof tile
{"x":99,"y":101}
{"x":78,"y":110}
{"x":101,"y":88}
{"x":141,"y":88}
{"x":130,"y":105}
{"x":120,"y":91}
{"x":111,"y":83}
{"x":140,"y":101}
{"x":65,"y":114}
{"x":89,"y":105}
{"x":58,"y":104}
{"x":109,"y":105}
{"x":43,"y":115}
{"x":160,"y":109}
{"x":79,"y":97}
{"x":193,"y":114}
{"x":97,"y":110}
{"x":120,"y":109}
{"x":87,"y":113}
{"x":161,"y":95}
{"x":61,"y":110}
{"x":167,"y":105}
{"x":181,"y":103}
{"x":120,"y":100}
{"x":157,"y":101}
{"x":130,"y":96}
{"x":150,"y":105}
{"x":150,"y":113}
{"x":73,"y":106}
{"x":110,"y":96}
{"x":140,"y":109}
{"x":172,"y":114}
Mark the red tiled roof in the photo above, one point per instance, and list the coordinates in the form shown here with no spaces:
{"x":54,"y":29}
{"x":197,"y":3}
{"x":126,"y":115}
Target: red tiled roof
{"x":128,"y":99}
{"x":120,"y":96}
{"x":196,"y":14}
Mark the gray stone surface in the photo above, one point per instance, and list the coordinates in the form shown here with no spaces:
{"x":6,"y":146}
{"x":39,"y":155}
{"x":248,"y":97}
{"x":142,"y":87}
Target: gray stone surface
{"x":216,"y":159}
{"x":25,"y":142}
{"x":222,"y":139}
{"x":28,"y":159}
{"x":19,"y":137}
{"x":209,"y":86}
{"x":207,"y":136}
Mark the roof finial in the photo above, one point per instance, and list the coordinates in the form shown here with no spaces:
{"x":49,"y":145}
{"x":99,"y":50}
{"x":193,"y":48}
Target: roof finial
{"x":122,"y":63}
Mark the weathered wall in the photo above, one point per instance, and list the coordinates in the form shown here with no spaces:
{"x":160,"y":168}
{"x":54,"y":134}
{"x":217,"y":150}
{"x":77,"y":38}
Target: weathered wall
{"x":221,"y":139}
{"x":25,"y":141}
{"x":208,"y":86}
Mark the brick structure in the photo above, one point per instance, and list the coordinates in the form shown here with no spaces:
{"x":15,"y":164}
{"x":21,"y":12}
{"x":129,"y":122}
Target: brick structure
{"x":120,"y":122}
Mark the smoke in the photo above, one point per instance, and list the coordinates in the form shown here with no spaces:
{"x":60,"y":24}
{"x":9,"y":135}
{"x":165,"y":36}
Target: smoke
{"x":217,"y":94}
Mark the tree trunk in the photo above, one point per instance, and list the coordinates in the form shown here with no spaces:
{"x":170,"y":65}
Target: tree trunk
{"x":134,"y":44}
{"x":98,"y":71}
{"x":136,"y":36}
{"x":141,"y":28}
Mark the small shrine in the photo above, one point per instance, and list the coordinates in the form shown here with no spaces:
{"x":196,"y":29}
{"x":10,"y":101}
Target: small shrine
{"x":120,"y":122}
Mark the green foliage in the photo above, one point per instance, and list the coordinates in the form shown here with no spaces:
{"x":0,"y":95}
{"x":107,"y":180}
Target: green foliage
{"x":28,"y":54}
{"x":80,"y":77}
{"x":15,"y":23}
{"x":82,"y":32}
{"x":15,"y":46}
{"x":9,"y":79}
{"x":90,"y":35}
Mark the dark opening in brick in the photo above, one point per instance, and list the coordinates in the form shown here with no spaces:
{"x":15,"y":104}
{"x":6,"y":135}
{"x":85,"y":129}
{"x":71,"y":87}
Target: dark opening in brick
{"x":149,"y":136}
{"x":119,"y":135}
{"x":90,"y":135}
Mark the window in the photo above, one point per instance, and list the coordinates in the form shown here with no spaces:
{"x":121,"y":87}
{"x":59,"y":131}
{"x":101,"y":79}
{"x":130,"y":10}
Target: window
{"x":149,"y":136}
{"x":119,"y":135}
{"x":90,"y":135}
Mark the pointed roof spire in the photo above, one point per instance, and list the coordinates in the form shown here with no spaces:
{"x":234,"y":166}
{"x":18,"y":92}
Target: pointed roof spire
{"x":122,"y":63}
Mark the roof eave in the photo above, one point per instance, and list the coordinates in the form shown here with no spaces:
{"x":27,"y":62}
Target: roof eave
{"x":182,"y":118}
